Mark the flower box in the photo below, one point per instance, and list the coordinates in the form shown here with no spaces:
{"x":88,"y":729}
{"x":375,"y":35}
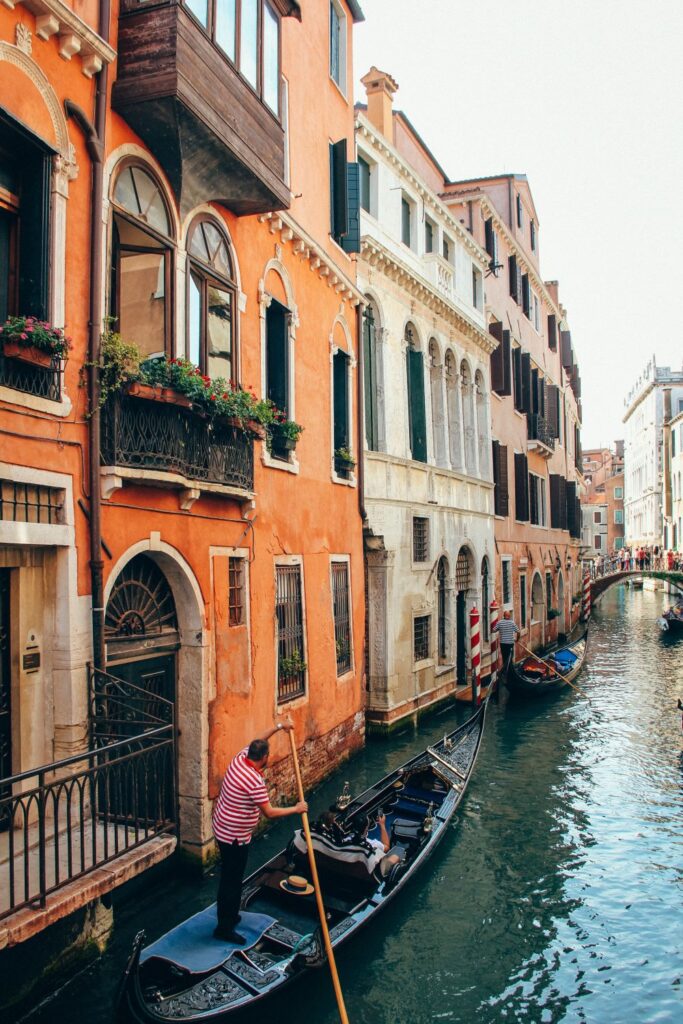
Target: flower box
{"x":257,"y":429}
{"x":27,"y":353}
{"x":155,"y":393}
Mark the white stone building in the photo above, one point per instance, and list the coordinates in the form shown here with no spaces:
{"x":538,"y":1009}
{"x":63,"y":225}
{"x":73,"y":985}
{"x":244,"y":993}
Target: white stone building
{"x":643,"y":452}
{"x":673,"y":484}
{"x":427,"y":464}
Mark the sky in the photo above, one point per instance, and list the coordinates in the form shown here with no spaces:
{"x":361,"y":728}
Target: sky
{"x":585,"y":97}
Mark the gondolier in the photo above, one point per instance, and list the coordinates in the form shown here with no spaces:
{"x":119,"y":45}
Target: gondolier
{"x":508,"y":631}
{"x":242,"y":799}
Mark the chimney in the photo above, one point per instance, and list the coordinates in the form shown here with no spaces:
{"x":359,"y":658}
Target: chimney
{"x":380,"y":89}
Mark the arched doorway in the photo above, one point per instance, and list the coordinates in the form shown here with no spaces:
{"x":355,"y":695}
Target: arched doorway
{"x":463,"y":582}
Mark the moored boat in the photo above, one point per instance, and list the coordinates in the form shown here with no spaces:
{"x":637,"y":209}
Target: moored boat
{"x":535,"y":677}
{"x":672,"y":620}
{"x":187,"y":975}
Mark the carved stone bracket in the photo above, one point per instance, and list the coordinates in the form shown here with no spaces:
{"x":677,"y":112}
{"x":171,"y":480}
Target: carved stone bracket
{"x":56,"y":18}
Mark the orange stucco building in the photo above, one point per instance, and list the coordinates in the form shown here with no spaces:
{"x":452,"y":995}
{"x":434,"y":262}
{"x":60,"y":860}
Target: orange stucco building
{"x":214,"y":580}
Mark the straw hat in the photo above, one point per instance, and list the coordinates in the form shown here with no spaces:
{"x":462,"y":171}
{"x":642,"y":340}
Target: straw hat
{"x":296,"y":885}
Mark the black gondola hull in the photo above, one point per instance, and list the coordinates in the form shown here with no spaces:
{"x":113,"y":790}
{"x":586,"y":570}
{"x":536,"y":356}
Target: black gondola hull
{"x":521,"y":685}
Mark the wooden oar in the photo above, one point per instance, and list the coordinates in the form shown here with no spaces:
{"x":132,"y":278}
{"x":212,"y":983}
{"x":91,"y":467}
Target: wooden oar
{"x":316,"y":885}
{"x":553,"y":669}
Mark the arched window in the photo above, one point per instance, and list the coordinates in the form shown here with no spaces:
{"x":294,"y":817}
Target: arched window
{"x":417,"y":419}
{"x":370,"y":379}
{"x":537,"y":599}
{"x":485,"y":599}
{"x":442,"y":610}
{"x":141,"y":265}
{"x":467,"y":418}
{"x":453,"y":411}
{"x":484,"y":446}
{"x":211,"y":301}
{"x":436,"y":387}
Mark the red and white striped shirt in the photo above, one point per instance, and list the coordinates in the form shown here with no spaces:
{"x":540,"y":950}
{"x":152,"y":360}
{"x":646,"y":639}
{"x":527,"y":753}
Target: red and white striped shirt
{"x":236,"y":812}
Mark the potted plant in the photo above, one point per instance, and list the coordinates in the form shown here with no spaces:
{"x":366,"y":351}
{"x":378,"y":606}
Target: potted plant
{"x":553,"y":613}
{"x":344,"y":457}
{"x":293,"y":665}
{"x":33,"y":341}
{"x":283,"y":433}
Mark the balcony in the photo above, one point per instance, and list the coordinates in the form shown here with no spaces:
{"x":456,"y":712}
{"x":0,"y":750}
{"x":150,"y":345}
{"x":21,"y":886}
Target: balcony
{"x":31,"y":378}
{"x":212,"y":134}
{"x":540,"y":435}
{"x":440,"y":274}
{"x":148,"y":442}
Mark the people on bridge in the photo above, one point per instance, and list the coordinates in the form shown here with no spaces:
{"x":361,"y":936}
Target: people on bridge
{"x":242,"y":800}
{"x":508,"y":631}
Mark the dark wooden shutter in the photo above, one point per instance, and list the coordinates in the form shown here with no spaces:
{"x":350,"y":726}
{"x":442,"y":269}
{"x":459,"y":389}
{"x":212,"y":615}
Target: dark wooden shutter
{"x":338,"y":189}
{"x":567,"y":353}
{"x":489,"y":236}
{"x":517,"y":378}
{"x":497,"y":371}
{"x":521,"y":488}
{"x":341,"y":400}
{"x":370,"y":379}
{"x":512,"y":270}
{"x":572,"y":524}
{"x":351,"y":240}
{"x":552,"y":332}
{"x":416,"y":406}
{"x":558,"y":502}
{"x":526,"y":295}
{"x":535,"y":389}
{"x":526,"y":404}
{"x":276,"y":354}
{"x":34,"y":240}
{"x":500,"y":479}
{"x":553,"y":409}
{"x":507,"y":364}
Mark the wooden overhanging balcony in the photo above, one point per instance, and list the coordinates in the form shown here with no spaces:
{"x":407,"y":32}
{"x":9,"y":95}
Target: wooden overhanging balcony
{"x":167,"y":445}
{"x":540,"y":435}
{"x":211,"y":132}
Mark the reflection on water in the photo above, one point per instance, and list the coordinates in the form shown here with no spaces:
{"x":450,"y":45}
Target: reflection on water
{"x":557,"y":895}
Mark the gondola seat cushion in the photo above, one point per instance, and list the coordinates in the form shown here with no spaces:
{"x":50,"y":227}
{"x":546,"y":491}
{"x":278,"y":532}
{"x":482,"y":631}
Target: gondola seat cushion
{"x":406,"y":830}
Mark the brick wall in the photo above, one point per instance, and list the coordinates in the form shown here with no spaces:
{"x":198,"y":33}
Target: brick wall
{"x":318,"y":757}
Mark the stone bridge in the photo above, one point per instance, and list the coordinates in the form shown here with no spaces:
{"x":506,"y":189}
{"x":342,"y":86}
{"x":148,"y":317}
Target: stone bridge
{"x":601,"y":583}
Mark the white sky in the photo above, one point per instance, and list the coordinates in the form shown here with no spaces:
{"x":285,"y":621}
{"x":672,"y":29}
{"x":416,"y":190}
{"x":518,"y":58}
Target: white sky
{"x":586,"y":98}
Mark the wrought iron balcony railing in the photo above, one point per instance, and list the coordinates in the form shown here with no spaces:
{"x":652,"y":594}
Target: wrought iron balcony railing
{"x":142,"y":434}
{"x":538,"y":429}
{"x":63,"y":820}
{"x":32,"y":379}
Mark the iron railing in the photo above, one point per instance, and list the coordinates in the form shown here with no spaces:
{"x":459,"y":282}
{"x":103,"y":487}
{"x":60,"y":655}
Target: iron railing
{"x":538,"y":429}
{"x":142,"y":434}
{"x":290,"y":633}
{"x":342,"y":616}
{"x":64,"y":820}
{"x":32,"y":379}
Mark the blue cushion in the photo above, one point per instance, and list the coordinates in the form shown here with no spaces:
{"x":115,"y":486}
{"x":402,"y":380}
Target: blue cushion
{"x":192,"y":945}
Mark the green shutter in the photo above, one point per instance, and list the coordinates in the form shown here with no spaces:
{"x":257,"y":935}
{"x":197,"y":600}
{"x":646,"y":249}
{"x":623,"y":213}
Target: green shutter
{"x":416,"y":406}
{"x":341,"y":400}
{"x":351,"y":240}
{"x":339,"y":223}
{"x":370,"y":380}
{"x":276,"y":355}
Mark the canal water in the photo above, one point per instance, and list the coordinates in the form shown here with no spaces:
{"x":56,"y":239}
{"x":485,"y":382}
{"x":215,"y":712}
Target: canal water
{"x":557,"y":895}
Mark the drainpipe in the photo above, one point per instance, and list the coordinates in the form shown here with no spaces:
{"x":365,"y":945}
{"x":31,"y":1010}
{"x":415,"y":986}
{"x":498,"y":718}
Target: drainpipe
{"x":95,"y":138}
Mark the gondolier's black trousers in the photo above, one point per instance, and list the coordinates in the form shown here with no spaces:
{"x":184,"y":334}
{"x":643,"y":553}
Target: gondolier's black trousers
{"x":506,"y":652}
{"x":233,"y":862}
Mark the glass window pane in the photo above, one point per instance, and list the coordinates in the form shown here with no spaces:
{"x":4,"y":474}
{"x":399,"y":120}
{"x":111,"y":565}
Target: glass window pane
{"x":249,"y":41}
{"x":142,"y":304}
{"x":200,"y":10}
{"x":194,"y":321}
{"x":138,"y":193}
{"x":271,"y":59}
{"x":124,"y":193}
{"x":219,"y":333}
{"x":225,"y":26}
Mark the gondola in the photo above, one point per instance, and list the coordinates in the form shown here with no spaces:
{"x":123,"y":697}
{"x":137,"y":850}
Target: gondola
{"x":187,"y":975}
{"x":671,"y":622}
{"x":531,"y":678}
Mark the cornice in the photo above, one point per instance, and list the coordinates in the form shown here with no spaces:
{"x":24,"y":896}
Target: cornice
{"x":55,"y":18}
{"x":377,"y":140}
{"x":305,"y":248}
{"x":379,"y":258}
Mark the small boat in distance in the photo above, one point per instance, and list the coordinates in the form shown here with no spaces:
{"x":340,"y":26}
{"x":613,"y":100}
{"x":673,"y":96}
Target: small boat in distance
{"x":636,"y":583}
{"x":187,"y":975}
{"x":534,"y":677}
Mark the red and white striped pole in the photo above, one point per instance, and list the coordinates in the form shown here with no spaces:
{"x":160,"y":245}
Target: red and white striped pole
{"x":475,"y":651}
{"x":493,"y":619}
{"x":586,"y":599}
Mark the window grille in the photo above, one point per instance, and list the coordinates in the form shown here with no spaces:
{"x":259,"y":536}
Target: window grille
{"x":30,"y":503}
{"x":462,"y":571}
{"x":236,"y":591}
{"x":290,"y":633}
{"x":421,"y":638}
{"x":342,"y":625}
{"x":507,"y":583}
{"x":41,"y":381}
{"x":420,"y":539}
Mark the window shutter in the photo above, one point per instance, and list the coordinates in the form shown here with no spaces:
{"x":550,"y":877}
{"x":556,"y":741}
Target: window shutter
{"x":567,"y":354}
{"x":500,"y":479}
{"x":552,"y":332}
{"x":558,"y":502}
{"x":507,"y":365}
{"x":341,"y":400}
{"x":489,"y":236}
{"x":521,"y":488}
{"x":526,"y":383}
{"x":35,"y":225}
{"x":351,"y":240}
{"x":535,"y":388}
{"x":497,"y":370}
{"x":517,"y":378}
{"x":512,"y":270}
{"x":416,"y":406}
{"x":338,"y":189}
{"x":571,"y":509}
{"x":553,"y":409}
{"x":276,"y":355}
{"x":526,"y":296}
